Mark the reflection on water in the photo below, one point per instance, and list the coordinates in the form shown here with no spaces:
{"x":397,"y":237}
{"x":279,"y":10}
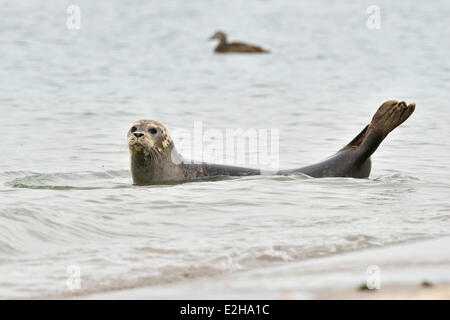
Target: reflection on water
{"x":69,"y":97}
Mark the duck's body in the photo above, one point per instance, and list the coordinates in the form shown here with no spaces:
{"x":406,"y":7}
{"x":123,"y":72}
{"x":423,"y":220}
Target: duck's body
{"x":237,"y":47}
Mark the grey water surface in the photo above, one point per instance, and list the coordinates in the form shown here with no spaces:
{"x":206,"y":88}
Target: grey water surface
{"x":68,"y":97}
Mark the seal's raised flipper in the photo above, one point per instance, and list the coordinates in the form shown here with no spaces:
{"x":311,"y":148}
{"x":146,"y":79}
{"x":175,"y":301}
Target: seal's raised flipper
{"x":356,"y":142}
{"x":390,"y":115}
{"x":354,"y":159}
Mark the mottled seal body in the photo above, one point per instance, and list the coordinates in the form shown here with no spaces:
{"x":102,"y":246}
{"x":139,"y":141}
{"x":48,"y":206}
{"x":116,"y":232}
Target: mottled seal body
{"x":154,"y":158}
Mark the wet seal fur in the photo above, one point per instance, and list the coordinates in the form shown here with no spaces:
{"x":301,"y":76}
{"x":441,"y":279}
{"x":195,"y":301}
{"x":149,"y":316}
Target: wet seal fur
{"x":155,"y":160}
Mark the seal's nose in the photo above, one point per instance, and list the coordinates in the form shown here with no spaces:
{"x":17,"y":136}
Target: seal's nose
{"x":138,"y":135}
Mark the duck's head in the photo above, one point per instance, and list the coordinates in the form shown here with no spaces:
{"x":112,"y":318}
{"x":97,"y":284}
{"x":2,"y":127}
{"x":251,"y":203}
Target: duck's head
{"x":219,"y":35}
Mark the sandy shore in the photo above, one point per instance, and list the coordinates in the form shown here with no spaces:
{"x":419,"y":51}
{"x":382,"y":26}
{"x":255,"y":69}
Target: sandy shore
{"x":392,"y":292}
{"x":418,"y":270}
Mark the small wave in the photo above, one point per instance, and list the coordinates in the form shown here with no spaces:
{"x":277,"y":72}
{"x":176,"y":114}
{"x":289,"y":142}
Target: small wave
{"x":163,"y":275}
{"x":396,"y":177}
{"x":70,"y":180}
{"x":139,"y":276}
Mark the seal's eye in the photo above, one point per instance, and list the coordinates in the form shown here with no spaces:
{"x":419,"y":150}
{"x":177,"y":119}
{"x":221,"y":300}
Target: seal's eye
{"x":152,"y":130}
{"x":133,"y":129}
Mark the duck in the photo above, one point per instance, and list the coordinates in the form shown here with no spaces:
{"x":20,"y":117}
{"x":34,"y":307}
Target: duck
{"x":225,"y":47}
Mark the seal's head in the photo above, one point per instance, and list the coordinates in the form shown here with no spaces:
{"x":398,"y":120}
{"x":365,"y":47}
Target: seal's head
{"x":152,"y":153}
{"x":219,"y":35}
{"x":150,"y":138}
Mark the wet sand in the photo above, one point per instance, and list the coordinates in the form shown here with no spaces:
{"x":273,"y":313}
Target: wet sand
{"x":392,"y":292}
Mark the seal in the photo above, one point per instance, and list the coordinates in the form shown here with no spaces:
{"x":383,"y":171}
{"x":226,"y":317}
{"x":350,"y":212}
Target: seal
{"x":155,"y":160}
{"x":225,"y":47}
